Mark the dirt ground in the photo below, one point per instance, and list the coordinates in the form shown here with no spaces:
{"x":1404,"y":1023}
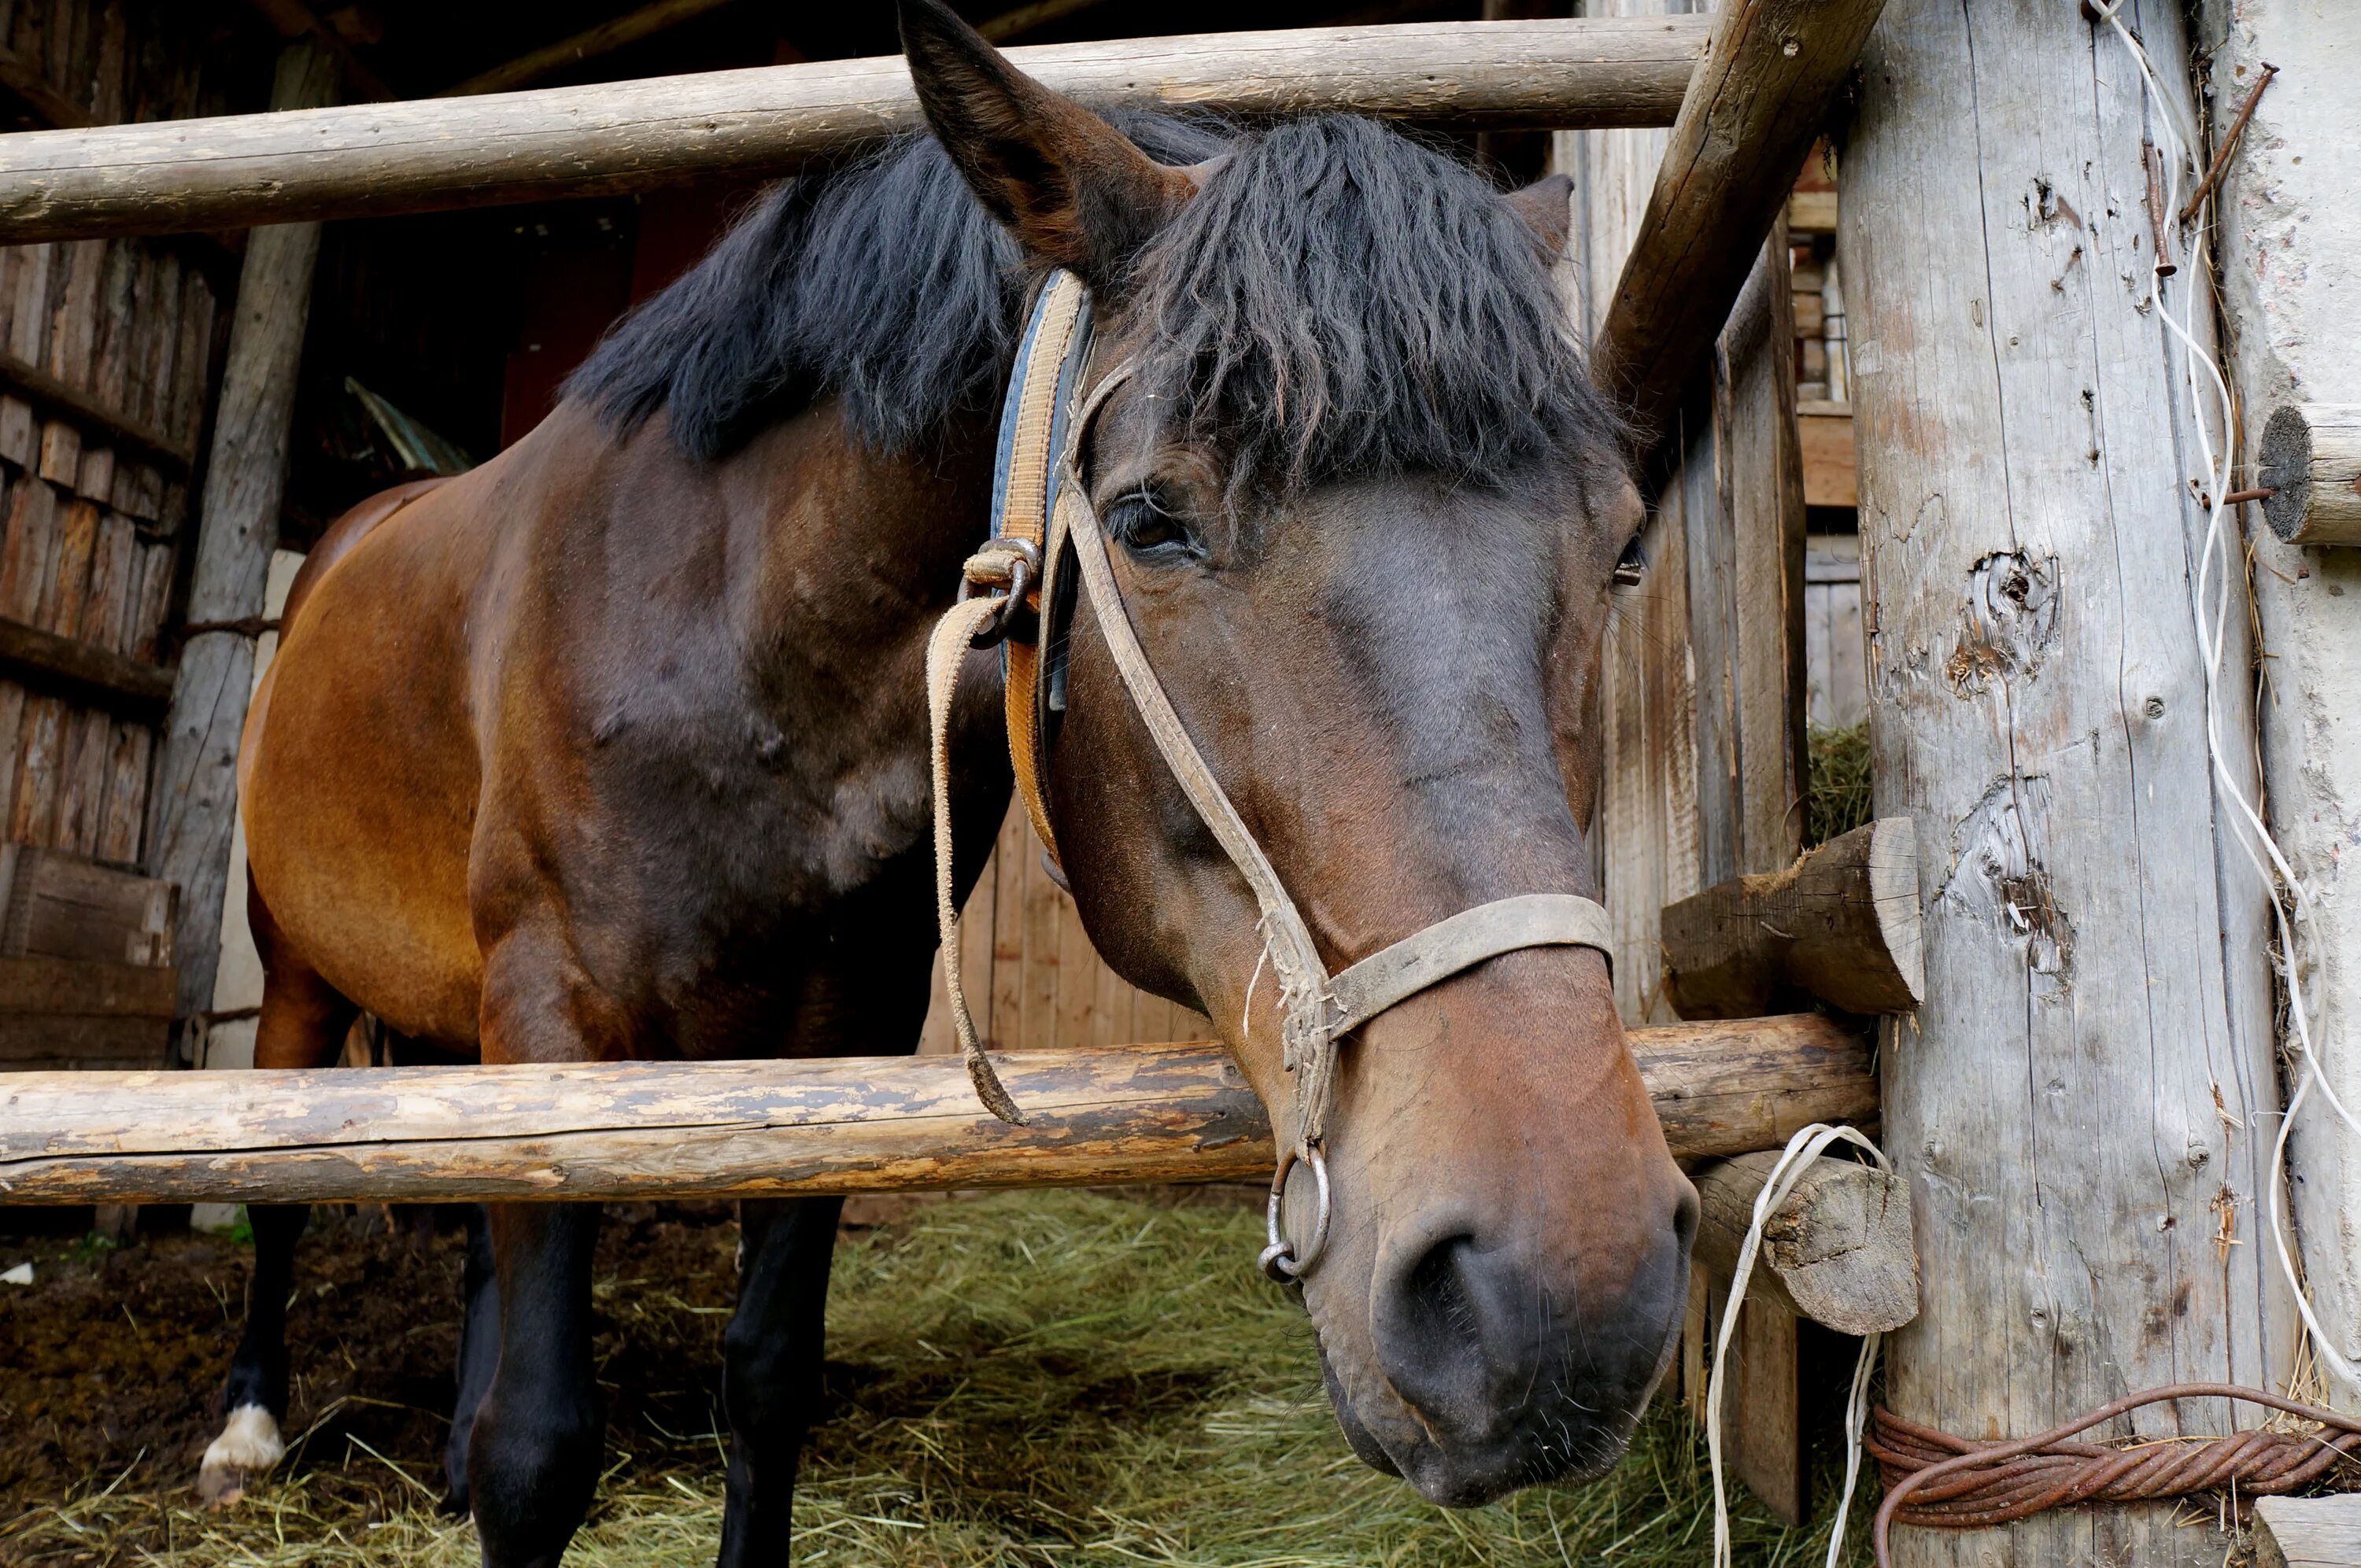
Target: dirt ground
{"x":111,"y":1364}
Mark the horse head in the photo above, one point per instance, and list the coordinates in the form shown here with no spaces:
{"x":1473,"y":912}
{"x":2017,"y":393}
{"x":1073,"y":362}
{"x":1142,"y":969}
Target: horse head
{"x":1362,"y":512}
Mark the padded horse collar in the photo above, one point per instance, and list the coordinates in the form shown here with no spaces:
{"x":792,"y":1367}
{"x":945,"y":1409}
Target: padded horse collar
{"x":1041,"y":518}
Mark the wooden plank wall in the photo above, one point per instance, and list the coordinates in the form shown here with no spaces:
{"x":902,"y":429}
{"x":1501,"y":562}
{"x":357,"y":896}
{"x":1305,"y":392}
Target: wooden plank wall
{"x":1702,"y":696}
{"x":91,"y":526}
{"x":1027,"y":953}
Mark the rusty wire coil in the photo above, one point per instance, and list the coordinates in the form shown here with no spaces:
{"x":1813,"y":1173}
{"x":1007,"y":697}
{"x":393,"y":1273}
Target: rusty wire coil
{"x":1936,"y":1481}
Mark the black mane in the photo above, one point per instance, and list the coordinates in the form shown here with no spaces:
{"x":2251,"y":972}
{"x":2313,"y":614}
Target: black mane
{"x":1337,"y":300}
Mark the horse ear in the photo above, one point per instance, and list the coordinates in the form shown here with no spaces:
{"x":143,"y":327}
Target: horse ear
{"x":1067,"y":184}
{"x":1547,"y":207}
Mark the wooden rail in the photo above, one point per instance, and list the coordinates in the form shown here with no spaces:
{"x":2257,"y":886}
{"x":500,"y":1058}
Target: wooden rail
{"x":236,"y":170}
{"x":106,"y":426}
{"x":84,"y":672}
{"x":641,"y":1130}
{"x":1773,"y":71}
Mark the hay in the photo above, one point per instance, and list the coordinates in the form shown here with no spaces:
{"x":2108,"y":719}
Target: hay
{"x":1023,"y":1380}
{"x":1836,"y":790}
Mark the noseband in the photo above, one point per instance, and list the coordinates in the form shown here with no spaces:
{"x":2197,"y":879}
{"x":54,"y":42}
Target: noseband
{"x":1042,"y":518}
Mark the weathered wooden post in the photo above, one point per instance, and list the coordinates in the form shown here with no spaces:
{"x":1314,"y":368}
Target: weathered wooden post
{"x":2082,"y":1107}
{"x":2289,"y":231}
{"x":195,"y":795}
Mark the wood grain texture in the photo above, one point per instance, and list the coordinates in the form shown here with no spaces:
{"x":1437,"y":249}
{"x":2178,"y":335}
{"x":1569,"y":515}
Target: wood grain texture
{"x":85,"y":671}
{"x":2310,"y":453}
{"x":1840,"y":1251}
{"x":382,"y":159}
{"x":1772,"y":72}
{"x":1841,"y":924}
{"x":2086,"y":1105}
{"x":194,"y":805}
{"x":2308,"y":1532}
{"x":1035,"y":981}
{"x":58,"y":905}
{"x":645,"y":1129}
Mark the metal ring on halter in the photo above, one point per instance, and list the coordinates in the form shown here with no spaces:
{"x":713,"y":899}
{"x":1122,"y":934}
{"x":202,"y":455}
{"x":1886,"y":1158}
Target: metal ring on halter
{"x":1280,"y":1260}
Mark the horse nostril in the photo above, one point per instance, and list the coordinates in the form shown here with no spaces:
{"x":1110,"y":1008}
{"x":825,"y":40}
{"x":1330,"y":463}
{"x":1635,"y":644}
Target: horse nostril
{"x":1438,"y":1292}
{"x":1684,"y":1216}
{"x":1435,"y":1341}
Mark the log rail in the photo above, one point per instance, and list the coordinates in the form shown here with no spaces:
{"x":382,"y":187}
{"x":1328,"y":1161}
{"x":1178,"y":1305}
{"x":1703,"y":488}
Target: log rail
{"x":375,"y":159}
{"x":644,"y":1130}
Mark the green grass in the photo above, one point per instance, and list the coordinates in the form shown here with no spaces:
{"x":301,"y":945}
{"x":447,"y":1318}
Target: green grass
{"x":1835,"y":791}
{"x":1030,"y":1379}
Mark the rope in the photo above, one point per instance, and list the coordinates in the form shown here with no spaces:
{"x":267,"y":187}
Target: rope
{"x":1802,"y":1149}
{"x":1961,"y":1485}
{"x":946,"y":652}
{"x":2260,"y":1463}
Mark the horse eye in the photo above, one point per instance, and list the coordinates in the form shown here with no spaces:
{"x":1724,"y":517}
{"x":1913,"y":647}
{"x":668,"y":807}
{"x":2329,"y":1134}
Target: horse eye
{"x":1633,"y":565}
{"x":1139,"y":521}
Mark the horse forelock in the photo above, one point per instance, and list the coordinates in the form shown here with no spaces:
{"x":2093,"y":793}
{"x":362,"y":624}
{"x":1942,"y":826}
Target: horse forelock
{"x":1338,"y":301}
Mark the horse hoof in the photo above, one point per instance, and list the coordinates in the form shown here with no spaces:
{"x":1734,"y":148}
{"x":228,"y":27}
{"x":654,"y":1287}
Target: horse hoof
{"x":249,"y":1445}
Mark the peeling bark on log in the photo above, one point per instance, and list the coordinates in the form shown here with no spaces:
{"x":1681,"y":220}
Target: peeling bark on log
{"x":375,"y":159}
{"x":640,"y":1130}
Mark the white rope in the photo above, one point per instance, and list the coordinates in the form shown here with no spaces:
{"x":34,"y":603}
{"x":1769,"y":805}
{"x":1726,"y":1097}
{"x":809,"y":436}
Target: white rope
{"x":1802,"y":1149}
{"x":2290,"y":897}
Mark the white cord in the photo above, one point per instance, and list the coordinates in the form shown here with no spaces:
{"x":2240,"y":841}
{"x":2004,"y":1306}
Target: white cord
{"x":1796,"y":1160}
{"x":2291,"y":898}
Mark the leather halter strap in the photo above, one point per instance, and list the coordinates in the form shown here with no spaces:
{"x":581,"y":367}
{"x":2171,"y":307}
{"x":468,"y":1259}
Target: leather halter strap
{"x":1318,"y":1009}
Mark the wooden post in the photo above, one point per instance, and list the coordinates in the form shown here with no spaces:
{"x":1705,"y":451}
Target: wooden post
{"x":636,"y":1130}
{"x":2088,"y":1144}
{"x":195,"y":795}
{"x":2288,"y":228}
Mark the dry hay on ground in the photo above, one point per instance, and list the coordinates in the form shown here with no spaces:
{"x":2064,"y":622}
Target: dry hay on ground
{"x":1035,"y":1379}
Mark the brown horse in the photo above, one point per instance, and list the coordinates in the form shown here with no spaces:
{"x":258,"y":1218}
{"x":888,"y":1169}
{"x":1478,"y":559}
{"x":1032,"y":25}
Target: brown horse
{"x":617,"y":746}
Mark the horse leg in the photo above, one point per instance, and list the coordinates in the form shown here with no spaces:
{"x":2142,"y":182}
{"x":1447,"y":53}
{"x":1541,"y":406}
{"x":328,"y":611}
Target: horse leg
{"x":770,"y":1367}
{"x":533,"y":1458}
{"x":479,"y":1353}
{"x":302,"y":1023}
{"x":771,"y":1355}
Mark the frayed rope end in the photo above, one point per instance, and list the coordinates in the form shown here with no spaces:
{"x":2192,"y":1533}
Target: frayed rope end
{"x":990,"y":1090}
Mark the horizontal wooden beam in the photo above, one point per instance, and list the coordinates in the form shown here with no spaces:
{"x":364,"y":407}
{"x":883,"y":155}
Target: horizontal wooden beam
{"x":103,"y":426}
{"x":1771,"y":74}
{"x":84,"y":672}
{"x":642,"y":1130}
{"x":1840,"y":1251}
{"x":236,"y":170}
{"x":1842,"y":925}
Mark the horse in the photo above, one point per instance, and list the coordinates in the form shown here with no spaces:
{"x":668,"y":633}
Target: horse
{"x":616,"y":747}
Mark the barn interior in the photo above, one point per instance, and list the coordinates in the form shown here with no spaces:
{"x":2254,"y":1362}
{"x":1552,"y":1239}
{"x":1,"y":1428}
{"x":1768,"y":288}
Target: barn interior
{"x":431,"y":342}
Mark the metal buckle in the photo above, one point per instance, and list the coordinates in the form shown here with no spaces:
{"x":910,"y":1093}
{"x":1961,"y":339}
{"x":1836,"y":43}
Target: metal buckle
{"x":1280,"y":1260}
{"x":1024,"y":567}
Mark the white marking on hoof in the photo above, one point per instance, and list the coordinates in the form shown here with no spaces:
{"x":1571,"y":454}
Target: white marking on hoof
{"x":249,"y":1445}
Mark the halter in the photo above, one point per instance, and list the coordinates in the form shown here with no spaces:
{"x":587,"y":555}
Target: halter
{"x":1011,"y":593}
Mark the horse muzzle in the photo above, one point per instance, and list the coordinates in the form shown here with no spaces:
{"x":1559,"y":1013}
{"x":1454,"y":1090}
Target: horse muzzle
{"x":1493,"y":1367}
